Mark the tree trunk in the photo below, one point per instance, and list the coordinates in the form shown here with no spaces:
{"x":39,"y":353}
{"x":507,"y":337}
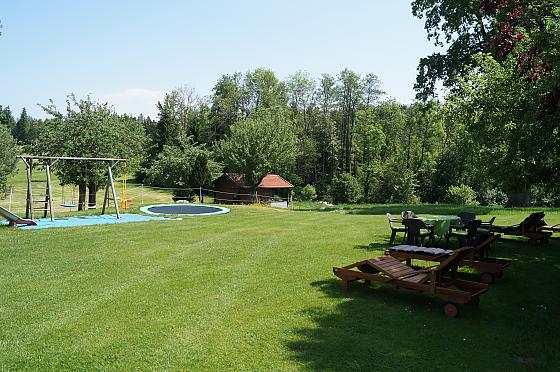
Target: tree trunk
{"x":92,"y":196}
{"x":82,"y":188}
{"x":521,"y":198}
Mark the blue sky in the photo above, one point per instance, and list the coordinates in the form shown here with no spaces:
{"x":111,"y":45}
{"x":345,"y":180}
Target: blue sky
{"x":130,"y":53}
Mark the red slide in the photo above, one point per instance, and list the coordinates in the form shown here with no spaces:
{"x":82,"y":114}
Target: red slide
{"x":14,"y":219}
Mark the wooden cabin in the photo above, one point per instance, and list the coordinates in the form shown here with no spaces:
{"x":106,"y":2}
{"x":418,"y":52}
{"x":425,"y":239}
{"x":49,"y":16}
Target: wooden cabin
{"x":231,"y":188}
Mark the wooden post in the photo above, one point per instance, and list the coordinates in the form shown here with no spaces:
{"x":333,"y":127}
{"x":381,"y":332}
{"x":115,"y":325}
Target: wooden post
{"x":289,"y":198}
{"x":10,"y":202}
{"x":105,"y":196}
{"x":29,"y":205}
{"x":49,"y":192}
{"x":112,"y":183}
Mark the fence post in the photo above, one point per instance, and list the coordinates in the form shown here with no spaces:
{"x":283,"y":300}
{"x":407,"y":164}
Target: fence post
{"x":10,"y":202}
{"x":142,"y":194}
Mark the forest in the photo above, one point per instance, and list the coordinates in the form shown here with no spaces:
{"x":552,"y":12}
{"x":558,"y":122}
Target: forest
{"x":490,"y":137}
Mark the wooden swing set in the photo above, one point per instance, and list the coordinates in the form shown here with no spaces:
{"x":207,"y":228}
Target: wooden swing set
{"x":46,"y":204}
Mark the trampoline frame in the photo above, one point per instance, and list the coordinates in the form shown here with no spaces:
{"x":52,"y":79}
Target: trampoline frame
{"x":222,"y":210}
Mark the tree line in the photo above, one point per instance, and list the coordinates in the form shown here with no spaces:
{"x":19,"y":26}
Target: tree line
{"x":493,"y":139}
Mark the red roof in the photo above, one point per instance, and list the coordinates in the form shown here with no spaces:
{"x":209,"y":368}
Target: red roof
{"x":274,"y":181}
{"x":270,"y":181}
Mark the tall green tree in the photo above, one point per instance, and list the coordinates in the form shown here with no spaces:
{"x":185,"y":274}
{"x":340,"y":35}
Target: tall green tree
{"x":512,"y":47}
{"x":23,"y":128}
{"x":184,"y":166}
{"x":227,"y":105}
{"x":8,"y":152}
{"x":369,"y":139}
{"x":7,"y":119}
{"x":262,"y":90}
{"x":351,"y":94}
{"x":260,"y":144}
{"x":90,"y":129}
{"x":527,"y":29}
{"x":518,"y":151}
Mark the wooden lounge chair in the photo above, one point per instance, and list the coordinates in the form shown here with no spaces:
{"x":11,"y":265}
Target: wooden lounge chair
{"x":529,"y":227}
{"x":489,"y":267}
{"x":395,"y":229}
{"x":545,"y":227}
{"x":440,"y":281}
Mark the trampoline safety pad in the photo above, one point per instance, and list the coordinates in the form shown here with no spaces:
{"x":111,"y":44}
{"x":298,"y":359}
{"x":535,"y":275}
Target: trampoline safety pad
{"x":184,"y":209}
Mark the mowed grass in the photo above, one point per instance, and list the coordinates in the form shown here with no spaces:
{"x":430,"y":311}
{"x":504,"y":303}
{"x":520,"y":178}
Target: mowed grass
{"x":254,"y":290}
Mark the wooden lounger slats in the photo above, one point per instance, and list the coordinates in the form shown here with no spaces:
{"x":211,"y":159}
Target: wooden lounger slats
{"x":530,"y":227}
{"x":392,"y":267}
{"x":418,"y":278}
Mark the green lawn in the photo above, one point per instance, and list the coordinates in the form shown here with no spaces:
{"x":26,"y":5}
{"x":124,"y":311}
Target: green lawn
{"x":254,"y":290}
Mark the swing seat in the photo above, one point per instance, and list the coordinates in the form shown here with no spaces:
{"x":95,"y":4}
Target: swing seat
{"x":69,"y":205}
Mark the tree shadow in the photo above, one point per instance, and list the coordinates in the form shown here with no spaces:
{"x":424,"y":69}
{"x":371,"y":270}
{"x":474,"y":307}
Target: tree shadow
{"x":383,"y":328}
{"x":396,"y":209}
{"x":373,"y":247}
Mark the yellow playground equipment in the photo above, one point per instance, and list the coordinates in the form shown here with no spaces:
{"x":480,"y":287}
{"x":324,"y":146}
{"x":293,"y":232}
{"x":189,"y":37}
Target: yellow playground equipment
{"x":123,"y":198}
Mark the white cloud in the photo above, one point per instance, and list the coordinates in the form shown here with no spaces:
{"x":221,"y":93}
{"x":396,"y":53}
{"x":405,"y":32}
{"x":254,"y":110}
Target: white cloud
{"x":134,"y":101}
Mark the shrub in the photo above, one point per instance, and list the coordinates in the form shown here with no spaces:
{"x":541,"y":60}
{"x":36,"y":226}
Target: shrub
{"x":461,"y":195}
{"x":493,"y":197}
{"x":307,"y":193}
{"x":346,"y":189}
{"x":545,"y":196}
{"x":7,"y":158}
{"x":405,"y":189}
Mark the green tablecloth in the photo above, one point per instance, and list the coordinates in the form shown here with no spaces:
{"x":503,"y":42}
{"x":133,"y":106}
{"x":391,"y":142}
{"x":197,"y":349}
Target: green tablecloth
{"x":441,"y":223}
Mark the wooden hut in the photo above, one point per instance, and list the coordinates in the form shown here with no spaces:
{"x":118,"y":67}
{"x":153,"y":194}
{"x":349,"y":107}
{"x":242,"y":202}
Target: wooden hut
{"x":232,"y":188}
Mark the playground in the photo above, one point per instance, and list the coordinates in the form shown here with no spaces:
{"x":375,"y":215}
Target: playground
{"x":59,"y":207}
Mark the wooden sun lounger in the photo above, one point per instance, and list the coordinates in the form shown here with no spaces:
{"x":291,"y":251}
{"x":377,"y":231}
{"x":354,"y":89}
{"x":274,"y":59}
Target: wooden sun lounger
{"x":551,"y":229}
{"x":15,"y":220}
{"x":531,"y":227}
{"x":478,"y":258}
{"x":440,"y":281}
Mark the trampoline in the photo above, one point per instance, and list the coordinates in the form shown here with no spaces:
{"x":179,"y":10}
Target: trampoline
{"x":184,"y":209}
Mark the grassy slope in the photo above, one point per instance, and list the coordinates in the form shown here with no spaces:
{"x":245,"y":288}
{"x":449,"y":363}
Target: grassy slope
{"x":254,"y":290}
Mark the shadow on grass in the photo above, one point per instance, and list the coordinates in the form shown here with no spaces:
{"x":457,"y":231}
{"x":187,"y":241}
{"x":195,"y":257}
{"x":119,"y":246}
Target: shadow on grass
{"x":382,"y":328}
{"x":396,"y":209}
{"x":437,"y":209}
{"x":374,"y":247}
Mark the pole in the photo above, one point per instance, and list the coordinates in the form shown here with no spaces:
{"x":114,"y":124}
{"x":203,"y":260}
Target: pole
{"x":112,"y":183}
{"x":124,"y":201}
{"x":142,"y":194}
{"x":200,"y":198}
{"x":10,"y":202}
{"x":49,"y":191}
{"x":29,"y":205}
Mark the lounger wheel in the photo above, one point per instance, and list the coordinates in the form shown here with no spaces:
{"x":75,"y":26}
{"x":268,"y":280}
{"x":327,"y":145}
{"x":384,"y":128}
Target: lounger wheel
{"x":451,"y":310}
{"x":487,"y":278}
